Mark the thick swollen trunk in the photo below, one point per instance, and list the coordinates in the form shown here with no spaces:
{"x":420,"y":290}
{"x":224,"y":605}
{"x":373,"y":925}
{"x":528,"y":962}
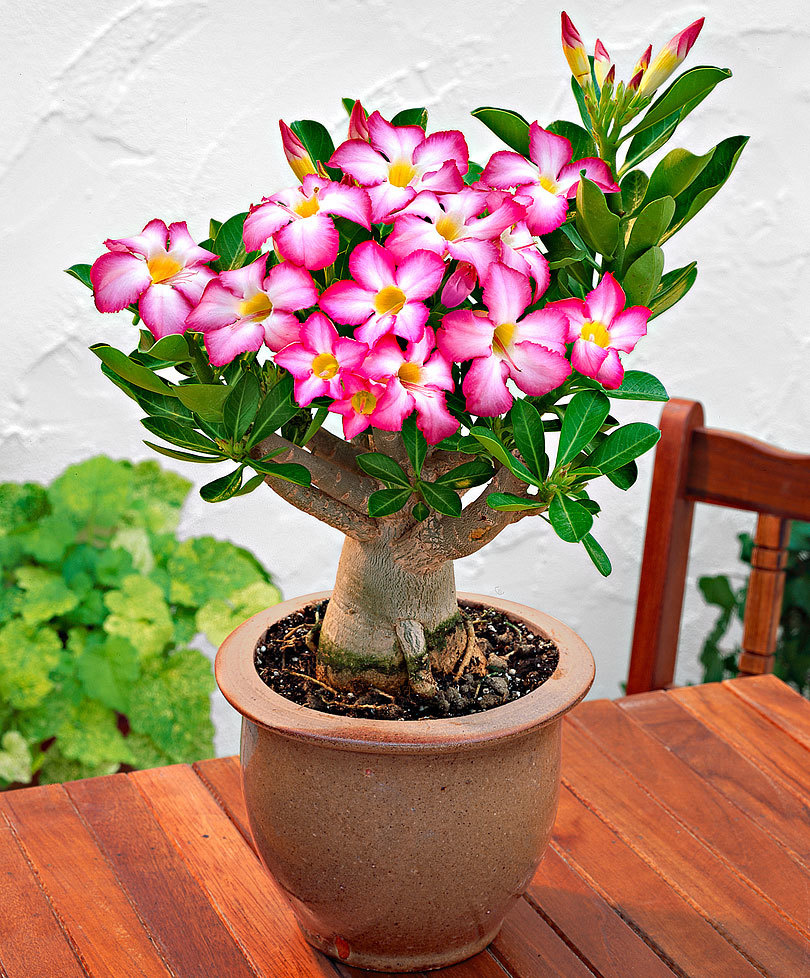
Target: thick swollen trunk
{"x":389,"y":628}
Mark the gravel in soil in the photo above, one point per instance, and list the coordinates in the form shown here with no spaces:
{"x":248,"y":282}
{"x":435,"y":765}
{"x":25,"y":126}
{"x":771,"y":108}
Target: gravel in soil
{"x":518,"y":661}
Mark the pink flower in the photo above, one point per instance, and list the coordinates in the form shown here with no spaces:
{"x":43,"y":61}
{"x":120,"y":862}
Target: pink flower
{"x":414,"y":380}
{"x":161,"y":269}
{"x":298,"y":220}
{"x":319,"y":360}
{"x":450,"y":226}
{"x":529,"y":351}
{"x":358,"y":123}
{"x":358,"y":405}
{"x":243,"y":308}
{"x":669,"y":58}
{"x":384,"y":298}
{"x":600,"y":327}
{"x":398,"y":161}
{"x":547,"y":182}
{"x":297,"y":156}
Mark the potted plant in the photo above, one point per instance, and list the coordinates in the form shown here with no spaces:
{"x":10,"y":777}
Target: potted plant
{"x":456,"y":319}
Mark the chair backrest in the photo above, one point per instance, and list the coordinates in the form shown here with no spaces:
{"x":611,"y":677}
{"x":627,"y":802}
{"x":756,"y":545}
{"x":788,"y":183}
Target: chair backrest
{"x":698,"y":464}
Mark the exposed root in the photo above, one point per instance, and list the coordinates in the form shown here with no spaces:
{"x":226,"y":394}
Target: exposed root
{"x":472,"y":650}
{"x":412,"y":642}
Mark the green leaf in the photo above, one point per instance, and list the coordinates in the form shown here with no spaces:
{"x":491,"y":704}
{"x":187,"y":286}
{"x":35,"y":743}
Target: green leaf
{"x":415,"y":444}
{"x":420,"y":512}
{"x":441,"y":499}
{"x":625,"y":476}
{"x":687,"y":91}
{"x":600,"y":559}
{"x":275,"y":411}
{"x":623,"y":445}
{"x":230,"y":246}
{"x":597,"y":224}
{"x":707,"y":183}
{"x":496,"y":449}
{"x":385,"y":502}
{"x":204,"y":568}
{"x":253,"y":483}
{"x":222,"y":488}
{"x":139,"y":613}
{"x":508,"y":502}
{"x":383,"y":468}
{"x":317,"y":142}
{"x":171,"y":349}
{"x":583,"y":418}
{"x":181,"y":435}
{"x":46,"y":595}
{"x":81,"y":273}
{"x":527,"y":426}
{"x":240,"y":406}
{"x":474,"y":171}
{"x":579,"y":96}
{"x":184,"y":456}
{"x":570,"y":520}
{"x":213,"y":227}
{"x":156,"y":405}
{"x":633,"y":187}
{"x":650,"y":141}
{"x":581,"y":140}
{"x":717,"y":591}
{"x":468,"y":474}
{"x":28,"y":654}
{"x":676,"y":171}
{"x":674,"y":286}
{"x":508,"y":125}
{"x":411,"y":117}
{"x":348,"y":104}
{"x":16,"y":762}
{"x":205,"y":400}
{"x":640,"y":386}
{"x":286,"y":471}
{"x":127,"y":369}
{"x":649,"y":228}
{"x":107,"y":666}
{"x":643,"y":276}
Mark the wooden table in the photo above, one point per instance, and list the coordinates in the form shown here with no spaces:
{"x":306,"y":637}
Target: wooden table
{"x":682,"y":846}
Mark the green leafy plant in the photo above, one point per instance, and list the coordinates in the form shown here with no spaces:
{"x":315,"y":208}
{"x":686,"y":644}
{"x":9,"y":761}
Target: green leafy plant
{"x":793,"y":646}
{"x":98,"y":605}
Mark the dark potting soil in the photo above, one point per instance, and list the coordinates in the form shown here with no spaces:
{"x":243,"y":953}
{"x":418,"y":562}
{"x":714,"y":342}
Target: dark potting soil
{"x":518,"y":661}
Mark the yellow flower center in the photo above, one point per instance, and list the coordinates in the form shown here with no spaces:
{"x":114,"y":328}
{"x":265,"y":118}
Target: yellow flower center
{"x":363,"y":402}
{"x":258,"y":307}
{"x":448,"y":227}
{"x":401,"y":172}
{"x":389,"y":301}
{"x":503,"y":336}
{"x":550,"y":185}
{"x":595,"y":332}
{"x":325,"y":366}
{"x":408,"y":373}
{"x":162,"y":267}
{"x":308,"y":206}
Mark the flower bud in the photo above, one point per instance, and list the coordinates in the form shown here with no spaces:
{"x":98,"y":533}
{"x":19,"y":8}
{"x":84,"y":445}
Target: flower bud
{"x":299,"y":159}
{"x":669,"y":58}
{"x":601,"y":63}
{"x":574,"y":51}
{"x":358,"y":123}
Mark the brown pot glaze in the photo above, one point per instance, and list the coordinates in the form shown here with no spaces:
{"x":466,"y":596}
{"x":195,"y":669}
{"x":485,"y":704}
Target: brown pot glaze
{"x":401,"y":844}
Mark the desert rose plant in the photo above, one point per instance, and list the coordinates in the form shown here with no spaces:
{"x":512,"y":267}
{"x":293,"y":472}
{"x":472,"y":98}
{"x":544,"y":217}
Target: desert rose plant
{"x":456,"y":319}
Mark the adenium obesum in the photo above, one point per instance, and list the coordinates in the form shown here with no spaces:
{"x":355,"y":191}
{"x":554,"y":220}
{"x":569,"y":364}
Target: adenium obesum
{"x":448,"y":314}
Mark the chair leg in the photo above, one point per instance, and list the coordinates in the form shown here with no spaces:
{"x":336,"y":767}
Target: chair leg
{"x":765,"y":591}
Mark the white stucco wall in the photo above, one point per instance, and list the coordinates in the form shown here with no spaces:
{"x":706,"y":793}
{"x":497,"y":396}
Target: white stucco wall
{"x":117,"y":111}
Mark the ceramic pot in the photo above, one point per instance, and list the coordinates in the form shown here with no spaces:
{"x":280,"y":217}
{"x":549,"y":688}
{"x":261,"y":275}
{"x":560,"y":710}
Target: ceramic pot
{"x":401,"y":844}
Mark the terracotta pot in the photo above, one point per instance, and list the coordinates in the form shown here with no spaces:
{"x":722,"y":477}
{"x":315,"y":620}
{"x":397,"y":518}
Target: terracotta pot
{"x":401,"y":844}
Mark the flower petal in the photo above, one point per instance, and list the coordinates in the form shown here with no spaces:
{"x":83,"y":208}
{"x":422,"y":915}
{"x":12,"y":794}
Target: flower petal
{"x":545,"y":211}
{"x":347,"y":302}
{"x":385,"y":359}
{"x":319,"y":334}
{"x":311,"y":242}
{"x":411,"y":234}
{"x":372,"y":266}
{"x":628,"y":328}
{"x":575,"y":311}
{"x":549,"y":151}
{"x":218,"y":307}
{"x":184,"y":248}
{"x":307,"y":389}
{"x":548,"y":326}
{"x":506,"y":293}
{"x":151,"y":241}
{"x":437,"y":372}
{"x":360,"y":161}
{"x":447,"y":180}
{"x":484,"y":387}
{"x":495,"y":223}
{"x":118,"y":279}
{"x":396,"y":142}
{"x":386,"y":200}
{"x":228,"y":342}
{"x":164,"y":310}
{"x":595,"y":169}
{"x":439,"y":147}
{"x":290,"y":287}
{"x":420,"y":274}
{"x":393,"y":407}
{"x":507,"y":169}
{"x":246,"y":280}
{"x":480,"y":254}
{"x":587,"y":357}
{"x":464,"y":335}
{"x":296,"y":358}
{"x":606,"y":301}
{"x":191,"y":284}
{"x":263,"y":221}
{"x":611,"y":373}
{"x":280,"y":329}
{"x":460,"y":284}
{"x":350,"y":202}
{"x":432,"y":417}
{"x":410,"y":322}
{"x":537,"y":370}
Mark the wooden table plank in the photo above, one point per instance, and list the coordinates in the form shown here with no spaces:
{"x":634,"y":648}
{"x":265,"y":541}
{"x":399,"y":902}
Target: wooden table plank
{"x":681,"y":935}
{"x":777,"y":702}
{"x":686,"y":863}
{"x":81,"y":885}
{"x":245,"y":897}
{"x":606,"y":942}
{"x":528,"y":947}
{"x":168,"y":899}
{"x":756,"y":738}
{"x":747,"y":849}
{"x":223,"y":778}
{"x":32,"y":942}
{"x":763,"y":799}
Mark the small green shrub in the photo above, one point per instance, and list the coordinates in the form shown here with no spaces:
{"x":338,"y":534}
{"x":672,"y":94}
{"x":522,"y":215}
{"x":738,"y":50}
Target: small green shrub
{"x":98,"y":605}
{"x":793,"y":647}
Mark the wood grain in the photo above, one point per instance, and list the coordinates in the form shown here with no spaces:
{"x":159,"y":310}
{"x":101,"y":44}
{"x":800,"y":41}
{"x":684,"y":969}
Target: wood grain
{"x":102,"y":923}
{"x":528,"y":947}
{"x":777,"y":702}
{"x":223,"y":778}
{"x":167,"y":897}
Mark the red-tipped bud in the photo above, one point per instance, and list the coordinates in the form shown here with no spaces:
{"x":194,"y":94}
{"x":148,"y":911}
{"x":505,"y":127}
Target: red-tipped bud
{"x":669,"y":58}
{"x":610,"y":78}
{"x":643,"y":61}
{"x":358,"y":123}
{"x":299,"y":159}
{"x":635,"y":81}
{"x":601,"y":62}
{"x":574,"y":51}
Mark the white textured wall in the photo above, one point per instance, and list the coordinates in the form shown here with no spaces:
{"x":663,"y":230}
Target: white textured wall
{"x":117,"y":111}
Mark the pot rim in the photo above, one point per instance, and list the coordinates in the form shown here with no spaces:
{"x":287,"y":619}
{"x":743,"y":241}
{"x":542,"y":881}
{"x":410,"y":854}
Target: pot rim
{"x":242,"y":687}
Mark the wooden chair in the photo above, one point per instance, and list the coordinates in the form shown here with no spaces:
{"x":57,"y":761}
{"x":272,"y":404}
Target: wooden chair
{"x":698,"y":464}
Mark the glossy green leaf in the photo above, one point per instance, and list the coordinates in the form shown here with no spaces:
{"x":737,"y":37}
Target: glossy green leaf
{"x":623,"y":445}
{"x":252,"y":484}
{"x":527,"y":426}
{"x":222,"y":488}
{"x":441,"y":499}
{"x":386,"y":502}
{"x":583,"y":418}
{"x":625,"y":476}
{"x":676,"y":171}
{"x":633,"y":187}
{"x":600,"y":559}
{"x":415,"y":444}
{"x":673,"y":287}
{"x":81,"y":273}
{"x":650,"y":141}
{"x":579,"y":96}
{"x":468,"y":474}
{"x":687,"y":91}
{"x":474,"y":171}
{"x":181,"y":435}
{"x":581,"y":140}
{"x":411,"y":117}
{"x":184,"y":456}
{"x":240,"y":406}
{"x":276,"y":410}
{"x":496,"y":449}
{"x":286,"y":471}
{"x":570,"y":520}
{"x":383,"y":468}
{"x":317,"y":142}
{"x":642,"y":277}
{"x":125,"y":367}
{"x":597,"y":224}
{"x":508,"y":502}
{"x":420,"y":512}
{"x":171,"y":349}
{"x":230,"y":247}
{"x":508,"y":125}
{"x":649,"y":228}
{"x":205,"y":400}
{"x":638,"y":385}
{"x":213,"y":227}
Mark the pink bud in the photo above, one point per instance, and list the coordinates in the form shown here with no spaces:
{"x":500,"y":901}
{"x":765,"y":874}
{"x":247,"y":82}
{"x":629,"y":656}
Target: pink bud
{"x":574,"y":51}
{"x":643,"y":61}
{"x":297,"y":156}
{"x":635,"y":81}
{"x":601,"y":62}
{"x":358,"y":123}
{"x":610,"y":78}
{"x":669,"y":58}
